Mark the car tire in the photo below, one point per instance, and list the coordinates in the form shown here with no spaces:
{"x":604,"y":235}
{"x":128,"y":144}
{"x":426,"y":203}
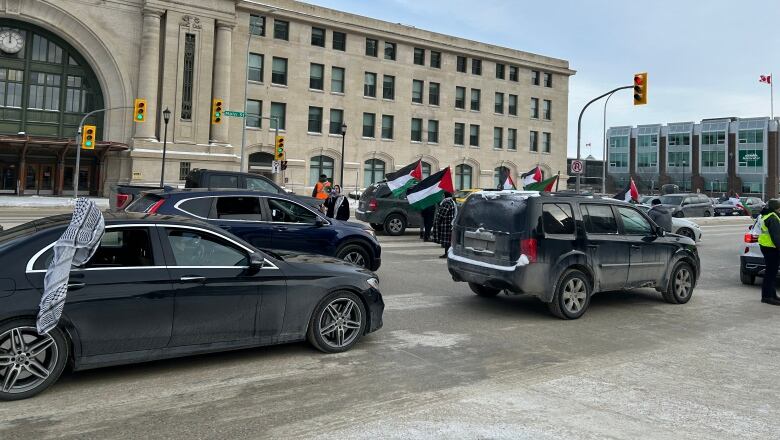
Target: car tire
{"x":681,"y":284}
{"x":338,"y":322}
{"x":572,"y":295}
{"x":36,"y":364}
{"x":707,"y":214}
{"x":686,"y":232}
{"x":395,"y":225}
{"x":378,"y":227}
{"x":355,"y":254}
{"x":747,"y":278}
{"x":484,"y":291}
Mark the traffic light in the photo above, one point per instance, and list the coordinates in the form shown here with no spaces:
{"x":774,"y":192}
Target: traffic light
{"x":216,"y":111}
{"x":640,"y":88}
{"x":279,"y":152}
{"x":88,"y":137}
{"x":139,"y":112}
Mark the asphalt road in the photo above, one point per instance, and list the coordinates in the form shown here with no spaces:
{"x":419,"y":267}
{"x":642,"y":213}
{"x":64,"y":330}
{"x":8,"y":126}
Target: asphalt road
{"x":449,"y":364}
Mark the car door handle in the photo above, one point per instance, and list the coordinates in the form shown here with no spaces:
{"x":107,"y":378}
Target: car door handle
{"x":280,"y":228}
{"x":192,"y":279}
{"x":76,"y":286}
{"x":593,"y":246}
{"x":635,"y":246}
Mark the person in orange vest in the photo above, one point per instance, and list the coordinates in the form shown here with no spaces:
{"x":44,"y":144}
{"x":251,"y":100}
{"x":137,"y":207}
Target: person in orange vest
{"x":322,"y":188}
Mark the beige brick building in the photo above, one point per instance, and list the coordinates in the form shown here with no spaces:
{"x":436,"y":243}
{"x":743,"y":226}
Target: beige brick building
{"x":402,"y":92}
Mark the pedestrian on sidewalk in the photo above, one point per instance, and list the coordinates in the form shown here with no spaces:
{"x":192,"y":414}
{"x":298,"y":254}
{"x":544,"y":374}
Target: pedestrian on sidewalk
{"x":768,"y":240}
{"x":337,"y":205}
{"x":442,"y":223}
{"x":660,"y":215}
{"x":428,"y":215}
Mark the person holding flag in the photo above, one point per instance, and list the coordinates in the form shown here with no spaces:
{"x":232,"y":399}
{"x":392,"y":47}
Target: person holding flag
{"x":436,"y":189}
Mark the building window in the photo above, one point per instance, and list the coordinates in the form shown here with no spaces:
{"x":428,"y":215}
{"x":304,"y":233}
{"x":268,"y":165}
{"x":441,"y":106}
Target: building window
{"x":416,"y":130}
{"x":318,"y":37}
{"x":388,"y":121}
{"x":548,"y":79}
{"x":389,"y":51}
{"x":618,"y":142}
{"x":461,"y":64}
{"x":417,"y":91}
{"x":44,"y":91}
{"x":436,"y":59}
{"x":75,"y":93}
{"x":647,"y":140}
{"x":534,"y":141}
{"x":281,"y":30}
{"x":476,"y":66}
{"x":11,"y":85}
{"x":433,"y":131}
{"x":476,"y":95}
{"x":419,"y":56}
{"x":677,"y":139}
{"x":45,"y":51}
{"x":713,"y":138}
{"x":255,"y":68}
{"x":317,"y":77}
{"x":535,"y":77}
{"x":373,"y":171}
{"x":500,"y":71}
{"x":463,"y":176}
{"x":371,"y":47}
{"x":535,"y":108}
{"x":426,"y":169}
{"x":512,"y":105}
{"x":679,"y":159}
{"x":513,"y":74}
{"x":369,"y":86}
{"x":188,"y":77}
{"x":257,"y":25}
{"x":336,"y":119}
{"x":647,"y":159}
{"x":511,"y":139}
{"x":433,"y":93}
{"x":460,"y":97}
{"x":315,"y":119}
{"x":254,"y":113}
{"x":460,"y":132}
{"x":499,"y":107}
{"x":547,"y":109}
{"x":369,"y":125}
{"x":713,"y":159}
{"x":279,"y":71}
{"x":498,"y":137}
{"x":388,"y":87}
{"x":319,"y":165}
{"x":546,"y":142}
{"x":474,"y":135}
{"x":337,"y":80}
{"x":751,"y":136}
{"x":184,"y":169}
{"x":618,"y":160}
{"x":279,"y":111}
{"x":339,"y":41}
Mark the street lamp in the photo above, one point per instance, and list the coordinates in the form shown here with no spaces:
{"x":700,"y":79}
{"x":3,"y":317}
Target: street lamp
{"x":684,"y":182}
{"x":166,"y":118}
{"x":343,"y":135}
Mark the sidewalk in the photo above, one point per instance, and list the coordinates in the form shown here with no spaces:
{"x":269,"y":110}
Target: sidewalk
{"x":45,"y":202}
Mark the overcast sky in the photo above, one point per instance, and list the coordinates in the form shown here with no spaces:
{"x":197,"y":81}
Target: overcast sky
{"x":703,"y":57}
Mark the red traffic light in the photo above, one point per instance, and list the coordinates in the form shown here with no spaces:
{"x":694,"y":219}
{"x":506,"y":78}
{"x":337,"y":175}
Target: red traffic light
{"x":638,"y":80}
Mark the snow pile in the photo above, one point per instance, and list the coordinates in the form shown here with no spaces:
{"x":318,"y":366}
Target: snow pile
{"x":492,"y":195}
{"x":522,"y":261}
{"x":45,"y":202}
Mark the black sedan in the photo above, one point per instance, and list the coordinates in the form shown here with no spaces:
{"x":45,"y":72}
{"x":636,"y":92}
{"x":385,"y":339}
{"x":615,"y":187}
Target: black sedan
{"x":729,"y":208}
{"x":164,"y":286}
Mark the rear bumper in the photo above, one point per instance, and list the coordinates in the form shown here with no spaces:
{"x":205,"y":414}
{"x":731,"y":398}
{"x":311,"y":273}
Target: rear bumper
{"x":368,"y":216}
{"x":376,"y":308}
{"x":752,"y":265}
{"x":528,"y":279}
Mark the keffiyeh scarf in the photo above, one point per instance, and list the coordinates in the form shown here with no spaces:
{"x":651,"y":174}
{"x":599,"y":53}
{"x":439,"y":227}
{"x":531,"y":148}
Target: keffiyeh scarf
{"x":74,"y":248}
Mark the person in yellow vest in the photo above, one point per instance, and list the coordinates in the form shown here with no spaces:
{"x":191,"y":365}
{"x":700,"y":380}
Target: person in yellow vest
{"x":322,"y":188}
{"x":769,"y":240}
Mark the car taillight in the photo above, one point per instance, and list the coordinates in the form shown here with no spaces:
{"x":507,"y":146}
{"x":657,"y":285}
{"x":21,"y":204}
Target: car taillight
{"x":156,"y":206}
{"x":750,"y":238}
{"x":528,"y":248}
{"x":121,"y":200}
{"x":372,"y":205}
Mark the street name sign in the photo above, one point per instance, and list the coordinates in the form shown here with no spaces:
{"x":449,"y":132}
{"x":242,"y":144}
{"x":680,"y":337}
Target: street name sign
{"x":233,"y":114}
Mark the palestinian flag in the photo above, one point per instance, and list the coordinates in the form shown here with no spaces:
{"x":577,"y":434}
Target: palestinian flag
{"x":509,"y":183}
{"x":405,"y":178}
{"x":531,"y":177}
{"x":544,"y":185}
{"x":628,"y":194}
{"x":430,"y":190}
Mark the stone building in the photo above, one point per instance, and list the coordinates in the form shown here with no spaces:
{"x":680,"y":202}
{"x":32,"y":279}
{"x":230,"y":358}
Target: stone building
{"x":403,"y":93}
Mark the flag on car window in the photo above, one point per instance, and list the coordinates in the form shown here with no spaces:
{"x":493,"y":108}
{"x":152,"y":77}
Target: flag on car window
{"x":531,"y":177}
{"x":405,"y":178}
{"x":628,"y":194}
{"x":430,"y":190}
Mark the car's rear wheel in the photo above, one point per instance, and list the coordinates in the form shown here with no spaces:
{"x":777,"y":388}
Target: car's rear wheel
{"x":377,"y":227}
{"x":29,"y":363}
{"x":338,"y":322}
{"x":747,"y":278}
{"x":484,"y":291}
{"x":686,"y":232}
{"x":707,"y":213}
{"x":681,"y":284}
{"x":572,"y":296}
{"x":395,"y":224}
{"x":355,"y":254}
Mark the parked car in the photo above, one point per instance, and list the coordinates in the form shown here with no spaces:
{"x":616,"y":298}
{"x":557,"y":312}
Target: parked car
{"x":269,"y":221}
{"x":202,"y":290}
{"x":688,"y":205}
{"x":751,"y":262}
{"x":729,"y":208}
{"x":754,"y":205}
{"x":562,"y":249}
{"x":646,"y":200}
{"x":383,"y":212}
{"x":681,"y":226}
{"x":461,"y":196}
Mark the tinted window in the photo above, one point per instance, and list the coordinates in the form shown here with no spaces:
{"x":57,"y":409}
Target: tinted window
{"x":505,"y":214}
{"x":671,"y":200}
{"x":256,"y":184}
{"x":634,"y":223}
{"x":378,"y":191}
{"x":599,"y":219}
{"x":557,"y":218}
{"x":199,"y":207}
{"x":143,"y":204}
{"x":223,"y":181}
{"x":196,"y":248}
{"x":129,"y":247}
{"x":284,"y":211}
{"x":239,"y":208}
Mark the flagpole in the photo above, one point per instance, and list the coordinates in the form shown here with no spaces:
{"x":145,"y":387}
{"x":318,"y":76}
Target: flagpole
{"x":771,"y":98}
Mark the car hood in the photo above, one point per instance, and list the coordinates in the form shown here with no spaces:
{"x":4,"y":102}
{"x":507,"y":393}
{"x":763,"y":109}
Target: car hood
{"x":321,"y":262}
{"x":681,"y":222}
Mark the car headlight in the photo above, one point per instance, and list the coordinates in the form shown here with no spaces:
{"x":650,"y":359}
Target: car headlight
{"x":373,"y":282}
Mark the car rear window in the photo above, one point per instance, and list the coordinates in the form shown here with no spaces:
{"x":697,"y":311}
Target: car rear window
{"x":377,"y":190}
{"x":506,"y":214}
{"x":557,"y":218}
{"x":599,"y":219}
{"x":258,"y":184}
{"x":199,"y":207}
{"x":144,"y":203}
{"x":671,"y":200}
{"x":223,"y":181}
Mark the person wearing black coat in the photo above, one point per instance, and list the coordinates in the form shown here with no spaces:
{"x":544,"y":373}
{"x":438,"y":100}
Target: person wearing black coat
{"x":428,"y":215}
{"x":768,"y":242}
{"x":337,"y":205}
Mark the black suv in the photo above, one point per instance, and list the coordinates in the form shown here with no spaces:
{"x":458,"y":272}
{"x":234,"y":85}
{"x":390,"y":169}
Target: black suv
{"x":562,"y":249}
{"x":383,"y":212}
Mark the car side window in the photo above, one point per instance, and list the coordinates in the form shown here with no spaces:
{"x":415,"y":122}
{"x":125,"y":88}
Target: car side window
{"x":704,"y":199}
{"x":557,"y":218}
{"x":119,"y":247}
{"x":245,"y":208}
{"x":256,"y":184}
{"x":599,"y":219}
{"x":196,"y":248}
{"x":688,"y":201}
{"x":285,"y":211}
{"x":223,"y":181}
{"x":199,"y":207}
{"x":633,"y":222}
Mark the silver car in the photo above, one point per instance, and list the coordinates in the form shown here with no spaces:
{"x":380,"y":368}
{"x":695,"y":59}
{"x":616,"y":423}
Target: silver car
{"x":681,"y":226}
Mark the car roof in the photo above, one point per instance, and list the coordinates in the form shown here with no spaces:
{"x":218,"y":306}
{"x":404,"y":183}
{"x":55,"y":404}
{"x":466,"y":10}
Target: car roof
{"x":117,"y":218}
{"x":236,"y":173}
{"x":204,"y":192}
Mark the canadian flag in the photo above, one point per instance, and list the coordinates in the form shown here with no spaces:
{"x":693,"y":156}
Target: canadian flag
{"x":767,"y":79}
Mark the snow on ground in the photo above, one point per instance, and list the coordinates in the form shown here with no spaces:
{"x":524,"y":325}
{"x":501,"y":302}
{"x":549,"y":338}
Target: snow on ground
{"x":45,"y":202}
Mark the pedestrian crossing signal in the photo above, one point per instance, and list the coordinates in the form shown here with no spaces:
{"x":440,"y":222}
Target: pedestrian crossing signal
{"x":88,"y":137}
{"x":139,"y":110}
{"x":279,"y":151}
{"x":216,"y":111}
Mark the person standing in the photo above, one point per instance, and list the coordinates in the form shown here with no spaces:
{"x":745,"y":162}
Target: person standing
{"x":322,"y":188}
{"x":442,"y":223}
{"x":768,"y":240}
{"x":337,"y":205}
{"x":660,"y":215}
{"x":427,"y":216}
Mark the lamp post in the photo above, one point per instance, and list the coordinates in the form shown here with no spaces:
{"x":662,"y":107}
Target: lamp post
{"x":343,"y":135}
{"x":684,"y":182}
{"x":166,"y":119}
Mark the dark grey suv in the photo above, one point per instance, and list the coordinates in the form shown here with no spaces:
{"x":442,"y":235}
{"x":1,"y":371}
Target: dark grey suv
{"x":383,"y":212}
{"x":688,"y":205}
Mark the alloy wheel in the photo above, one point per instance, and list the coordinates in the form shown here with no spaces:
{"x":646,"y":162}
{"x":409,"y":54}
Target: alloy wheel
{"x":340,"y":322}
{"x":26,"y":359}
{"x":355,"y":258}
{"x":682,"y":283}
{"x":395,"y":225}
{"x":574,"y":295}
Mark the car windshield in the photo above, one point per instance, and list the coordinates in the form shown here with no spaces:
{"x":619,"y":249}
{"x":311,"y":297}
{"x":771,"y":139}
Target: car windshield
{"x":671,"y":200}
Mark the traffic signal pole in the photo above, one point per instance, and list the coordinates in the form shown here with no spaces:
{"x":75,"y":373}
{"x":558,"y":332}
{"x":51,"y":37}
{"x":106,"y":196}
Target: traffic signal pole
{"x":78,"y":145}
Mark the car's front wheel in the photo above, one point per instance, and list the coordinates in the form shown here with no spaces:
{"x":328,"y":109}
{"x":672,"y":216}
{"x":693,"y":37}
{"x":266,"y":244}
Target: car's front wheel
{"x":355,"y":254}
{"x":707,"y":214}
{"x":29,"y":363}
{"x":338,"y":322}
{"x":681,"y":284}
{"x":395,"y":224}
{"x":572,"y":296}
{"x":484,"y":290}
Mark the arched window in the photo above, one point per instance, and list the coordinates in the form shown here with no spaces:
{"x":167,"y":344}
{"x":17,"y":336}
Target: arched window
{"x":463,"y":176}
{"x":426,"y":169}
{"x":373,"y":171}
{"x":319,"y":165}
{"x":499,"y":176}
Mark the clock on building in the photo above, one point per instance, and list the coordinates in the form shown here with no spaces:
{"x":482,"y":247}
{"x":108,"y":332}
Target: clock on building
{"x":11,"y":41}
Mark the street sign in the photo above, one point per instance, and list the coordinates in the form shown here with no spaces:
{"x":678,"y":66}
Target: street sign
{"x":233,"y":114}
{"x":577,"y":166}
{"x":275,"y":165}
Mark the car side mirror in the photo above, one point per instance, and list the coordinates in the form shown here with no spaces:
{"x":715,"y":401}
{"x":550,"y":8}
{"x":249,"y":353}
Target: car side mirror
{"x":256,"y":261}
{"x":660,"y":232}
